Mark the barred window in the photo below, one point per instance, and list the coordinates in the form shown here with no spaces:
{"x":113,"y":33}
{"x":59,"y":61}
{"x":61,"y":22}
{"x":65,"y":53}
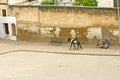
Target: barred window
{"x":3,"y":12}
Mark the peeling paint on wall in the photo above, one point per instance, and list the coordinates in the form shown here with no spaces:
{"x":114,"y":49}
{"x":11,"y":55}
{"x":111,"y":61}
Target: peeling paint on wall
{"x":73,"y":33}
{"x":94,"y":33}
{"x":50,"y":32}
{"x":30,"y":28}
{"x":57,"y":32}
{"x":34,"y":29}
{"x":50,"y":21}
{"x":45,"y":32}
{"x":26,"y":28}
{"x":115,"y":32}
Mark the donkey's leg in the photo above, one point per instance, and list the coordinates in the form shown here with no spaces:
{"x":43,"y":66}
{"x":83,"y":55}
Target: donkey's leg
{"x":74,"y":46}
{"x":77,"y":46}
{"x":80,"y":46}
{"x":70,"y":45}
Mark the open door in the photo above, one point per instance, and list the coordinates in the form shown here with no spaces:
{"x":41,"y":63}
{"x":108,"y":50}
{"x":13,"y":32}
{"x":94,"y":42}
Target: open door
{"x":5,"y":31}
{"x":6,"y":28}
{"x":13,"y":31}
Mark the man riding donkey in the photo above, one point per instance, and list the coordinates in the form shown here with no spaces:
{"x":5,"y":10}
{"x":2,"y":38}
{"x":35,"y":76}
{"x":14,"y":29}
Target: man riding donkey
{"x":75,"y":42}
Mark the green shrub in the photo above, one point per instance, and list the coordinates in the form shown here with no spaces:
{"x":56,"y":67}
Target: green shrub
{"x":85,"y":3}
{"x":47,"y":3}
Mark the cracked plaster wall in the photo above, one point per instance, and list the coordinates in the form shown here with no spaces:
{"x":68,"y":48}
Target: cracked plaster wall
{"x":39,"y":23}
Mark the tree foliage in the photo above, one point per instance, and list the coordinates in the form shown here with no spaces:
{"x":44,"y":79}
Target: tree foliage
{"x":47,"y":2}
{"x":85,"y":3}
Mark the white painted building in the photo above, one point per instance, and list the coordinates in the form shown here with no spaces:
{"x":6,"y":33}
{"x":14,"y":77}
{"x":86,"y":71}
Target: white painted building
{"x":65,"y":2}
{"x":8,"y":29}
{"x":16,"y":1}
{"x":105,"y":3}
{"x":101,"y":3}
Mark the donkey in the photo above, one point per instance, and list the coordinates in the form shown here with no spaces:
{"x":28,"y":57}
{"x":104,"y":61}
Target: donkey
{"x":74,"y":42}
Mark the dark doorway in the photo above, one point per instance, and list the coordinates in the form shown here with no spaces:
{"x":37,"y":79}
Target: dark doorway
{"x":116,"y":4}
{"x":6,"y":28}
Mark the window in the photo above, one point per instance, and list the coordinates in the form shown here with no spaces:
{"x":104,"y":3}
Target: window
{"x":3,"y":12}
{"x":116,"y":4}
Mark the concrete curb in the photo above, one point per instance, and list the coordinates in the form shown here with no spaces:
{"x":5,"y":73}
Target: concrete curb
{"x":66,"y":53}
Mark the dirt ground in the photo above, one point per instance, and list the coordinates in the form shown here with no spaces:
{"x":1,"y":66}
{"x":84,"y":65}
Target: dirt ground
{"x":43,"y":61}
{"x":7,"y":46}
{"x":49,"y":66}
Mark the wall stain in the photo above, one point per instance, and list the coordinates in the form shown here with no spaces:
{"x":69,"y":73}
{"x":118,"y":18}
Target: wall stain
{"x":79,"y":19}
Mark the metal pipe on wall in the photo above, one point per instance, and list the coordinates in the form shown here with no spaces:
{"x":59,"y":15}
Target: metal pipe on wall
{"x":118,"y":19}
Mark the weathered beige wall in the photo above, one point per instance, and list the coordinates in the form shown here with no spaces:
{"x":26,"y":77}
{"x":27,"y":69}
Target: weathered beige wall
{"x":77,"y":17}
{"x":25,"y":15}
{"x":3,"y":1}
{"x":3,"y":5}
{"x":39,"y":23}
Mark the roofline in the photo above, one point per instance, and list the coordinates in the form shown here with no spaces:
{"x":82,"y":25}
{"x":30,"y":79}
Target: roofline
{"x":65,"y":6}
{"x":3,"y":3}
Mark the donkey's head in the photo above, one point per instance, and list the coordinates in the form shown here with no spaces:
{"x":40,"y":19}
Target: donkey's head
{"x":69,"y":39}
